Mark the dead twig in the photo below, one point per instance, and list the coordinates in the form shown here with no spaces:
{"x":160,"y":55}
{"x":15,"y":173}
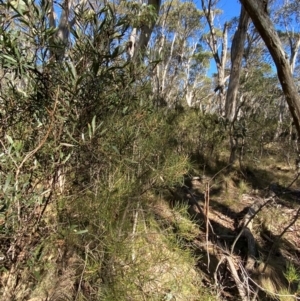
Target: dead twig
{"x":253,"y":211}
{"x":280,"y":237}
{"x":206,"y":213}
{"x":83,"y":271}
{"x":239,"y":284}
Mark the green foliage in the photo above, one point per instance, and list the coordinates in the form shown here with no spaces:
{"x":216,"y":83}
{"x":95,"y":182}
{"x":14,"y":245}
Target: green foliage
{"x":148,"y":265}
{"x":291,"y":274}
{"x":85,"y":151}
{"x":139,"y":15}
{"x":183,"y":17}
{"x":200,"y":133}
{"x":186,"y":229}
{"x":83,"y":148}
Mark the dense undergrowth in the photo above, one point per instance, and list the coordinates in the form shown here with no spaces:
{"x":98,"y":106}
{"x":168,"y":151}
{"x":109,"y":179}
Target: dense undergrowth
{"x":85,"y":215}
{"x":94,"y":180}
{"x":89,"y":194}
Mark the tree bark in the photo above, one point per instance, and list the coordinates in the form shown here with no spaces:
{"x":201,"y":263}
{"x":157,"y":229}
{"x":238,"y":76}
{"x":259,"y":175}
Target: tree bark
{"x":237,"y":51}
{"x":145,"y":34}
{"x":220,"y":60}
{"x":294,"y":46}
{"x":264,"y":26}
{"x":59,"y":42}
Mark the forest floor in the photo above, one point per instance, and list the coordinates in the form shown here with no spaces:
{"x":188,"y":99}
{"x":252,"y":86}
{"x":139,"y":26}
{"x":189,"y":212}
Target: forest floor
{"x":247,"y":240}
{"x":252,"y":230}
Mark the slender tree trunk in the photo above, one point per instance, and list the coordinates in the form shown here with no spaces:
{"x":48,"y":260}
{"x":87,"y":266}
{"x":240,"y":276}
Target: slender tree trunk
{"x":237,"y":51}
{"x":264,"y":26}
{"x":52,"y":24}
{"x":294,"y":43}
{"x":140,"y":44}
{"x":220,"y":60}
{"x":294,"y":46}
{"x":282,"y":109}
{"x":189,"y":90}
{"x":146,"y":30}
{"x":59,"y":42}
{"x":221,"y":71}
{"x":166,"y":67}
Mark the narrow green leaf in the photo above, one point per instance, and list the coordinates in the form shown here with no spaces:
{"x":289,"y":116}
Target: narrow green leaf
{"x":69,"y":134}
{"x":7,"y":182}
{"x":24,"y":22}
{"x":17,"y":7}
{"x":131,"y":161}
{"x":72,"y":70}
{"x":81,"y":231}
{"x":99,"y":125}
{"x":10,"y":140}
{"x":103,"y":132}
{"x":67,"y":144}
{"x":125,"y":110}
{"x":67,"y":158}
{"x":37,"y":9}
{"x":90,"y":131}
{"x":94,"y":125}
{"x":75,"y":33}
{"x":79,"y":79}
{"x":115,"y":149}
{"x":9,"y":58}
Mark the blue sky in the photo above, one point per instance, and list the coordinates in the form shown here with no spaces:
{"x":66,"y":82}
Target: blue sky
{"x":231,"y":8}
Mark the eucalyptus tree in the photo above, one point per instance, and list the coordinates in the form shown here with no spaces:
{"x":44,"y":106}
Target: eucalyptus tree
{"x":286,"y":16}
{"x":264,"y":25}
{"x":217,"y":38}
{"x":181,"y":68}
{"x":141,"y":33}
{"x":237,"y":53}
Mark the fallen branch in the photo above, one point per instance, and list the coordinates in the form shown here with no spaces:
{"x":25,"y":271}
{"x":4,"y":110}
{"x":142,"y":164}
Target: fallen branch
{"x":206,"y":213}
{"x":239,"y":284}
{"x":246,"y":231}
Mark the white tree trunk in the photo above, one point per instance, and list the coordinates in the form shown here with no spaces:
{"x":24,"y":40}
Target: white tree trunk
{"x":141,"y":42}
{"x":59,"y":43}
{"x":220,"y":60}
